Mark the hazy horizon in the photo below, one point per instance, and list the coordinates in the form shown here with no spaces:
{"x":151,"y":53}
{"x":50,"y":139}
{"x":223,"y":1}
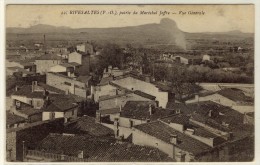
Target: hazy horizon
{"x":216,"y":18}
{"x":121,"y":27}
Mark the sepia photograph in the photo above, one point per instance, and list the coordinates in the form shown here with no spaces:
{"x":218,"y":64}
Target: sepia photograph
{"x":129,"y":83}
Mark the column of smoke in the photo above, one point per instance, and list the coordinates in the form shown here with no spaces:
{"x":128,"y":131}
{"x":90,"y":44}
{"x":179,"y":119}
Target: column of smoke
{"x":177,"y":37}
{"x":180,"y":40}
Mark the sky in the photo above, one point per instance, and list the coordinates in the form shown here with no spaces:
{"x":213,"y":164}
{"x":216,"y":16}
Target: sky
{"x":216,"y":18}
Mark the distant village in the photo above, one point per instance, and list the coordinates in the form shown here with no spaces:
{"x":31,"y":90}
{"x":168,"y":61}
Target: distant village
{"x":58,"y":111}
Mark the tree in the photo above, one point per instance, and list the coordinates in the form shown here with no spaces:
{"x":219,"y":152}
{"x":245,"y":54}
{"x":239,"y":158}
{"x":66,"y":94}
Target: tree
{"x":113,"y":55}
{"x":178,"y":76}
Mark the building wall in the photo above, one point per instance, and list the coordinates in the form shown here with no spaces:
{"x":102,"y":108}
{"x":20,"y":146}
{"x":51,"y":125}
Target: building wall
{"x":243,"y":108}
{"x":206,"y":58}
{"x":61,"y":82}
{"x":36,"y":102}
{"x":8,"y":103}
{"x":84,"y":69}
{"x":58,"y":68}
{"x":87,"y":48}
{"x":120,"y":101}
{"x":135,"y":84}
{"x":31,"y":137}
{"x":104,"y":90}
{"x":46,"y":115}
{"x":216,"y":98}
{"x":73,"y":113}
{"x":43,"y":66}
{"x":141,"y":138}
{"x":75,"y":57}
{"x":66,"y":114}
{"x":126,"y":122}
{"x":11,"y":146}
{"x":125,"y":132}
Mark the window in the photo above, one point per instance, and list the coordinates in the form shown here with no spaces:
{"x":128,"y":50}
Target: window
{"x":131,"y":123}
{"x":72,"y":112}
{"x":52,"y":115}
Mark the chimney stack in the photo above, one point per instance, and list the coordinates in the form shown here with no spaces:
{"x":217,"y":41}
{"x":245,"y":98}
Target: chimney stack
{"x":150,"y":109}
{"x":16,"y":88}
{"x":120,"y":108}
{"x":210,"y":113}
{"x":196,"y":97}
{"x":174,"y":139}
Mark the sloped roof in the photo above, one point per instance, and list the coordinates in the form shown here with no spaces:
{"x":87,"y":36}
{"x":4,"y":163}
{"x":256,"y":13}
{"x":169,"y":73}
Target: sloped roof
{"x":145,"y":95}
{"x":13,"y":119}
{"x":51,"y":88}
{"x":61,"y":103}
{"x":140,"y":110}
{"x":235,"y":95}
{"x":100,"y":150}
{"x":74,"y":64}
{"x":84,"y":79}
{"x":109,"y":111}
{"x":87,"y":124}
{"x":66,"y":65}
{"x":179,"y":119}
{"x":164,"y":132}
{"x":107,"y":97}
{"x":49,"y":57}
{"x":184,"y":120}
{"x":24,"y":63}
{"x":26,"y":91}
{"x":105,"y":80}
{"x":28,"y":110}
{"x":219,"y":115}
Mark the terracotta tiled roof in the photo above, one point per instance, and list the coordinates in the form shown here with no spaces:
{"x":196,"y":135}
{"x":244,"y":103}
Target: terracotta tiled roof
{"x":164,"y":132}
{"x":61,"y":103}
{"x":87,"y":124}
{"x":100,"y":150}
{"x":140,"y":110}
{"x":26,"y":91}
{"x":179,"y":119}
{"x":220,"y":114}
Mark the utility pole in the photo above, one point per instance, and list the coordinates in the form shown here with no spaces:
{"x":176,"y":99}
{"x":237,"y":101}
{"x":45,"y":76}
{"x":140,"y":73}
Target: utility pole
{"x":44,"y":44}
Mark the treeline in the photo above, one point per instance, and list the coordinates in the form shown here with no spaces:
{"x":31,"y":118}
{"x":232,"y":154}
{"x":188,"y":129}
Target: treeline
{"x":197,"y":73}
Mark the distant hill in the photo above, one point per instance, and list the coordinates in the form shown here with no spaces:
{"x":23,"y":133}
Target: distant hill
{"x":164,"y":33}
